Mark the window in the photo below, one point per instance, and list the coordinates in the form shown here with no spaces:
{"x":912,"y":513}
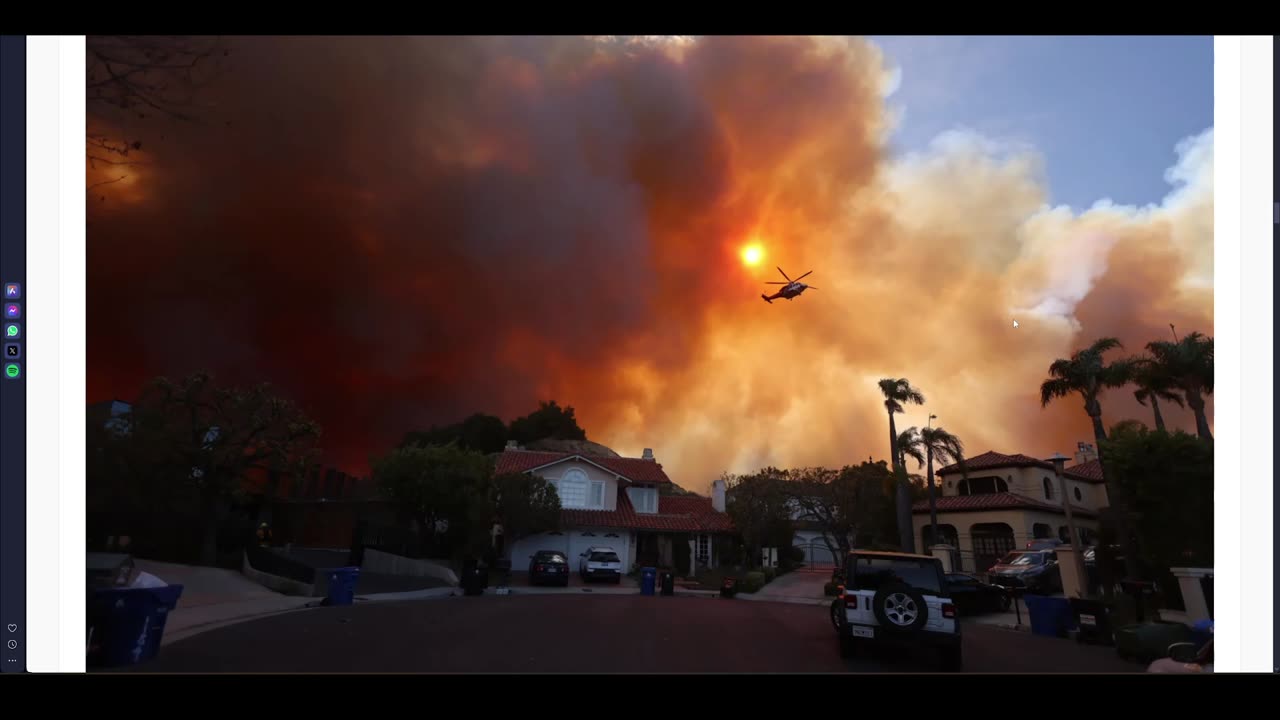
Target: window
{"x":1079,"y":497}
{"x":1048,"y":489}
{"x":644,"y":499}
{"x":597,"y":494}
{"x":869,"y":573}
{"x":983,"y":486}
{"x":573,"y":489}
{"x":703,"y":546}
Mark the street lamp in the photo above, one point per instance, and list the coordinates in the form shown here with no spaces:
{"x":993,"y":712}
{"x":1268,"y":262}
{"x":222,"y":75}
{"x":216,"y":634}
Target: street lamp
{"x":1059,"y":462}
{"x":933,"y":503}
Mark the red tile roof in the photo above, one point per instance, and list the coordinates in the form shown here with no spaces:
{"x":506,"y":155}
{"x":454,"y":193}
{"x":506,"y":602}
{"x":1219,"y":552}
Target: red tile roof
{"x":675,"y":514}
{"x":1090,"y":471}
{"x":990,"y":460}
{"x":994,"y":501}
{"x":645,"y":472}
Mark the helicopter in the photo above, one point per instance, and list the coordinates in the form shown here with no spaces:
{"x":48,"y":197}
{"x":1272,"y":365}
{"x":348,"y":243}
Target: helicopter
{"x":791,"y":290}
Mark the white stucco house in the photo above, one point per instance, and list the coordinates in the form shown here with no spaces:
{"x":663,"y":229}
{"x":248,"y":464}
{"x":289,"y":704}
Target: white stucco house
{"x":616,"y":502}
{"x":1008,"y":500}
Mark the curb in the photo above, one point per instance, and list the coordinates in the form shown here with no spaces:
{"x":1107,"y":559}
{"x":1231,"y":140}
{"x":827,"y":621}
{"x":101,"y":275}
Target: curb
{"x":170,"y":637}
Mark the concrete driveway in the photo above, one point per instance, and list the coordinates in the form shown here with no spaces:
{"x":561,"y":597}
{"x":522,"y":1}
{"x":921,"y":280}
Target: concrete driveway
{"x":802,"y":584}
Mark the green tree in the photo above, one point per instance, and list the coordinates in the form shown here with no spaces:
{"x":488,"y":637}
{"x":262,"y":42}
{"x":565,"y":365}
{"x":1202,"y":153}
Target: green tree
{"x":205,"y":438}
{"x":760,"y":510}
{"x":1086,"y":373}
{"x":436,"y":485}
{"x":1169,"y":480}
{"x":522,"y":503}
{"x":845,"y":504}
{"x":1189,"y":362}
{"x":1155,"y":383}
{"x":548,"y":421}
{"x":896,"y":392}
{"x":482,"y":433}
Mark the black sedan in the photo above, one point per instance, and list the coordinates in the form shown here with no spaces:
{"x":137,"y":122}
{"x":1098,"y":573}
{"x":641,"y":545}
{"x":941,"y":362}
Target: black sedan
{"x":974,"y":597}
{"x":549,"y":567}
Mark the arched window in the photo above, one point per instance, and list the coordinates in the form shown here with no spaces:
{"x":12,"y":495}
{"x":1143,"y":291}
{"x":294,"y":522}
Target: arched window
{"x":1079,"y":497}
{"x":573,"y":489}
{"x":1048,"y":489}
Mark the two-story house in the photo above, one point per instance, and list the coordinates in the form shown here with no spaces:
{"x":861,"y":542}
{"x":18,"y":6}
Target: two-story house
{"x":616,"y":502}
{"x":1003,"y":501}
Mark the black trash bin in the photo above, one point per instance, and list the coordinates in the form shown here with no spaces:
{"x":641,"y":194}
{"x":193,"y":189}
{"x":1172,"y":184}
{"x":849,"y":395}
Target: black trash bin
{"x":668,"y":583}
{"x":729,"y":587}
{"x":475,"y":578}
{"x":1093,"y":620}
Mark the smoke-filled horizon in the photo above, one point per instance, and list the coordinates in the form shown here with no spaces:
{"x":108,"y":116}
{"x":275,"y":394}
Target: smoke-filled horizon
{"x":399,"y":232}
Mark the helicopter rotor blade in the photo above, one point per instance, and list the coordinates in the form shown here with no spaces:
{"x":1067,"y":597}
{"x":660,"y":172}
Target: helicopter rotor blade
{"x":784,"y":275}
{"x":775,"y":282}
{"x":804,"y":276}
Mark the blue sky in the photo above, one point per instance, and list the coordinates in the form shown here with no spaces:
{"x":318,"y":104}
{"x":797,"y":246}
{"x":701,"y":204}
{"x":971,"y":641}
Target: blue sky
{"x":1105,"y":112}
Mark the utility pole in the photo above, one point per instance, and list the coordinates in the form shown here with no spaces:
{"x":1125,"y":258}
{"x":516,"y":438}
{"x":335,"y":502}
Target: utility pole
{"x":1059,"y":461}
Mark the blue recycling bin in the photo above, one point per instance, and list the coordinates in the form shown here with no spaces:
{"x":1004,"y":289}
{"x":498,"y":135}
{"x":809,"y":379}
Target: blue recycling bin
{"x":648,"y":580}
{"x":1050,"y":616}
{"x":342,"y":586}
{"x":125,"y":625}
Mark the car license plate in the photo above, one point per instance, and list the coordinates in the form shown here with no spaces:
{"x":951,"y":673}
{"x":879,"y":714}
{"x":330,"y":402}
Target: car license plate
{"x":1088,"y":620}
{"x":555,"y":569}
{"x":862,"y":632}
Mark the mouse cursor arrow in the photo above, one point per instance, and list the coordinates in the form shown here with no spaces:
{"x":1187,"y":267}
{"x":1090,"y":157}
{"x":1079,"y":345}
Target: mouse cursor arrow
{"x":1015,"y":323}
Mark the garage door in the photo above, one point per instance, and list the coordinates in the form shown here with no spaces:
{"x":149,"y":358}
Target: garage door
{"x":580,"y":540}
{"x":521,"y":551}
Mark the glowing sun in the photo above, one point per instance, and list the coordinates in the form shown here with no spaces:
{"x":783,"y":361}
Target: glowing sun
{"x":752,"y":254}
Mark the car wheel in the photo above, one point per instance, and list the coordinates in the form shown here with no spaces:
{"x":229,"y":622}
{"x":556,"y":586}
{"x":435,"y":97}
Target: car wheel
{"x":900,"y":608}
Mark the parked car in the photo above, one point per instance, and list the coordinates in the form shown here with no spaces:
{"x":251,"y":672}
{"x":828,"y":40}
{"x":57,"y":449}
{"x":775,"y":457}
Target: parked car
{"x":974,"y":597}
{"x":1036,"y":571}
{"x":600,"y":562}
{"x":1044,"y":544}
{"x":549,"y":567}
{"x":896,"y":598}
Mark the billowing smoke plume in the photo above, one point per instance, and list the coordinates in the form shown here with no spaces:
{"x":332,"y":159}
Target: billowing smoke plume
{"x":404,"y":231}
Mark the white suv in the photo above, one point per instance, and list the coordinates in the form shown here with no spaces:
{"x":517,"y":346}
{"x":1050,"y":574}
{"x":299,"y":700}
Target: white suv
{"x":896,"y":598}
{"x":600,"y":562}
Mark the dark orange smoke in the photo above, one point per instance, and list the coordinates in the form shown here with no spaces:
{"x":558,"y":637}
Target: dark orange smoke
{"x":405,"y":231}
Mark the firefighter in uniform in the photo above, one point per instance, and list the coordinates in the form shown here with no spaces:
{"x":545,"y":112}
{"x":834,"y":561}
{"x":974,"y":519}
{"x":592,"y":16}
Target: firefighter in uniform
{"x":264,"y":535}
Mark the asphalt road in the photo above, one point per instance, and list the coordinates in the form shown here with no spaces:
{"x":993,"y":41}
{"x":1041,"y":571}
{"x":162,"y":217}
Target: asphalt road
{"x":588,"y":634}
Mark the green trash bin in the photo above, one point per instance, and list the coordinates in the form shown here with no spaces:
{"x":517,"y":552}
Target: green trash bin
{"x":1148,"y":642}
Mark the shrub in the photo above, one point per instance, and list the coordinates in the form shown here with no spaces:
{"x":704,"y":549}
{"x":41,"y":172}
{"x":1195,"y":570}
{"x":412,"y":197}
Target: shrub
{"x":770,"y":574}
{"x":752,"y":582}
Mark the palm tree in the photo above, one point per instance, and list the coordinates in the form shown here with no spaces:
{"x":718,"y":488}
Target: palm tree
{"x":1154,"y":384}
{"x":947,"y":448}
{"x":1189,"y":362}
{"x":1088,"y":374}
{"x":896,"y":392}
{"x":909,"y":447}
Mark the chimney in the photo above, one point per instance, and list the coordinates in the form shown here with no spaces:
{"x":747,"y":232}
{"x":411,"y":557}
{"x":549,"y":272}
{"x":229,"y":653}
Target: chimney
{"x":1085,"y":452}
{"x":717,"y":495}
{"x":648,"y":455}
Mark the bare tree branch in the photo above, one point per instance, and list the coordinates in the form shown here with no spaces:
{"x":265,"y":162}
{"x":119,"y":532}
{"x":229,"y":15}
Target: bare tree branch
{"x":105,"y":182}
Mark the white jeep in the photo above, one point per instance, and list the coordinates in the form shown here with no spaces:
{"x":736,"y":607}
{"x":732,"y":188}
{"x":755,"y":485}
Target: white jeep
{"x":896,"y":598}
